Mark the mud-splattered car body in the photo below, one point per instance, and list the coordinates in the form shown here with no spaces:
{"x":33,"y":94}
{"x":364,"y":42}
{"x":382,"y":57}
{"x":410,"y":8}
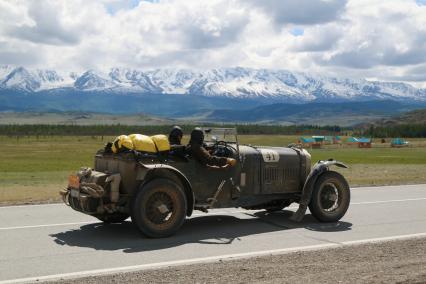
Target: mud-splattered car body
{"x":159,"y":191}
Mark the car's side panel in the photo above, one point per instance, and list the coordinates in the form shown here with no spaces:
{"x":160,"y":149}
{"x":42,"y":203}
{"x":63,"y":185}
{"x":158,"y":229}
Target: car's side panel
{"x":250,"y":172}
{"x":259,"y":171}
{"x":124,"y":164}
{"x":280,"y":170}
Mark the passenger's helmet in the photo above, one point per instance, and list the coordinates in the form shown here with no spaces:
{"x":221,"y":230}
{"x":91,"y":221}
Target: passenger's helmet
{"x":197,"y":136}
{"x":175,"y":135}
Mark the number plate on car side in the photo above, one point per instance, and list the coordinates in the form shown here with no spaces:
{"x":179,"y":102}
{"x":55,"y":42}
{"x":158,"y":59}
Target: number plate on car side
{"x":74,"y":181}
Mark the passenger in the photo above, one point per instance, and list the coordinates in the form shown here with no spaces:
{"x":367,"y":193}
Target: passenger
{"x":175,"y":136}
{"x":200,"y":154}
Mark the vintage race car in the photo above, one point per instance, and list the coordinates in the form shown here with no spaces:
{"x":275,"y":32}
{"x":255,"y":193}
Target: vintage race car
{"x":160,"y":191}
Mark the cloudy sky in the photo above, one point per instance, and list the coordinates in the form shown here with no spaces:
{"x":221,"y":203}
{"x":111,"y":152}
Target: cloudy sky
{"x":374,"y":39}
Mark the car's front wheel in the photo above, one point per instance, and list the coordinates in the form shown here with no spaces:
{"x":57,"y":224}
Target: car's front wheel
{"x":159,"y":208}
{"x":330,"y":197}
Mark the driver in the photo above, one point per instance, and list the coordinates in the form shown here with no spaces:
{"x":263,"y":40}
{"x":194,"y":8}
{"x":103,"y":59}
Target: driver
{"x":200,"y":154}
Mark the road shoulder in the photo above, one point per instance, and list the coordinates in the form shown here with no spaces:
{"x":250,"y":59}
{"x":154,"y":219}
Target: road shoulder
{"x":387,"y":262}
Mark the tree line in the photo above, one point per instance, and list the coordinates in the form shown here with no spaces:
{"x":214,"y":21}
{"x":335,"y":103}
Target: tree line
{"x":399,"y":130}
{"x":118,"y":129}
{"x":382,"y":131}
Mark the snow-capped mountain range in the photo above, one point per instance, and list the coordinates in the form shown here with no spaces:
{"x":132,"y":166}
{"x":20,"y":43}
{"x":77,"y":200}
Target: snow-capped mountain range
{"x":236,"y":83}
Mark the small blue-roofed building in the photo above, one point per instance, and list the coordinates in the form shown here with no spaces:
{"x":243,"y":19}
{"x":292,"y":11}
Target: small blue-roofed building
{"x":399,"y":142}
{"x":337,"y":139}
{"x":319,"y":139}
{"x":308,"y":142}
{"x":352,"y":140}
{"x":328,"y":139}
{"x":364,"y":142}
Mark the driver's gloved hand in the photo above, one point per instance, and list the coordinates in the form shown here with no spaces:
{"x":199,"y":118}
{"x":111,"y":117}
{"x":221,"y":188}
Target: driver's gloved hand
{"x":231,"y":162}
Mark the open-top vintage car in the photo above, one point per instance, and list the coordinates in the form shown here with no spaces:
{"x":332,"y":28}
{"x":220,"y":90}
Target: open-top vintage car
{"x":159,"y":191}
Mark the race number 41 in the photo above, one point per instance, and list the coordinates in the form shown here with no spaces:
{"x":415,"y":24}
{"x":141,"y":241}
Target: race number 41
{"x":270,"y":156}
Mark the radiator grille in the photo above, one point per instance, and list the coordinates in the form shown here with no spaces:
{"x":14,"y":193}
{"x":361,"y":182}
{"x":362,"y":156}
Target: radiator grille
{"x":278,"y":175}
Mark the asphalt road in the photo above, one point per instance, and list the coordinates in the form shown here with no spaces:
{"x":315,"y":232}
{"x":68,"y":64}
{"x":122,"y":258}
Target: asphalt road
{"x":48,"y":242}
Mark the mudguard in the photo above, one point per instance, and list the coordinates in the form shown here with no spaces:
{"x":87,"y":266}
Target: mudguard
{"x":319,"y":168}
{"x":187,"y":185}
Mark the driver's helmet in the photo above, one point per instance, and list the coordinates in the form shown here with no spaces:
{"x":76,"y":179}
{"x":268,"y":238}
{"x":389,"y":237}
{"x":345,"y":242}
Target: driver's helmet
{"x":197,"y":136}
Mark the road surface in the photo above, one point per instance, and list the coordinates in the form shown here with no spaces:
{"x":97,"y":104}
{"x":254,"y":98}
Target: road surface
{"x":48,"y":242}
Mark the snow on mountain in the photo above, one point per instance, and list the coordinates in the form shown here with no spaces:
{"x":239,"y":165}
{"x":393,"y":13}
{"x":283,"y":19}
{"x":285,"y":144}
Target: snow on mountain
{"x":19,"y":78}
{"x":5,"y":70}
{"x":238,"y":82}
{"x":91,"y":81}
{"x":133,"y":80}
{"x":173,"y":81}
{"x":23,"y":79}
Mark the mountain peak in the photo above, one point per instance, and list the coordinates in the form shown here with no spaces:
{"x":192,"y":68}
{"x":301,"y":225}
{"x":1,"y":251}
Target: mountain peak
{"x":233,"y":82}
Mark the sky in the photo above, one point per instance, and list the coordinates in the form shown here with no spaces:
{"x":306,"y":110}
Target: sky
{"x":373,"y":39}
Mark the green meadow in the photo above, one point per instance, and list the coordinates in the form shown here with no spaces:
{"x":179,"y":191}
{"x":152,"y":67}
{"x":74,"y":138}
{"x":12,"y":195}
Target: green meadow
{"x":34,"y":169}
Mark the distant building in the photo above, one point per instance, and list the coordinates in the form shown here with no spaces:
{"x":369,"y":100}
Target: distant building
{"x":319,"y":139}
{"x":337,"y":140}
{"x":364,"y":142}
{"x":307,"y":142}
{"x":328,"y":140}
{"x":351,"y":140}
{"x":399,"y":142}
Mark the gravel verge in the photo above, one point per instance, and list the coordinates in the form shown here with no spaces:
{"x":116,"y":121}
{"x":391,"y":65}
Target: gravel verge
{"x":401,"y":261}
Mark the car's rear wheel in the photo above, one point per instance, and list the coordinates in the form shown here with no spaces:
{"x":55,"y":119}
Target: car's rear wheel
{"x":113,"y":218}
{"x":330,"y":197}
{"x":159,"y":208}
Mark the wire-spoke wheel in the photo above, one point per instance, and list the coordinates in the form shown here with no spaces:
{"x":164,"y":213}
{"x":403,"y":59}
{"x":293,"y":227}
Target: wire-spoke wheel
{"x":159,"y":208}
{"x":330,"y":197}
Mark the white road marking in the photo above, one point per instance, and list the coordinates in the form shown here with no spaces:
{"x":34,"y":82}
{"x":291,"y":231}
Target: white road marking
{"x":32,"y":205}
{"x":392,"y":187}
{"x":209,"y":259}
{"x":45,"y":225}
{"x":387,"y":201}
{"x":204,"y":214}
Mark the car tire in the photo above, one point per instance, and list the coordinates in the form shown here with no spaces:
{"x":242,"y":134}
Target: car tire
{"x":159,"y":208}
{"x":330,"y":197}
{"x":113,"y":218}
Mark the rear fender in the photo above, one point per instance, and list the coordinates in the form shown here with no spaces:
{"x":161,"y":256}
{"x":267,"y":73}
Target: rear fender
{"x":166,"y":171}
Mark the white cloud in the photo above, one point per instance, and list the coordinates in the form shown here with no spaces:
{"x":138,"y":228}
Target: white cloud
{"x":301,"y":12}
{"x":361,"y":38}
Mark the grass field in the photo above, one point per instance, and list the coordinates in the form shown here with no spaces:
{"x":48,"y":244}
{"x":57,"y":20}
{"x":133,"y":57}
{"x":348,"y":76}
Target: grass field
{"x":34,"y":169}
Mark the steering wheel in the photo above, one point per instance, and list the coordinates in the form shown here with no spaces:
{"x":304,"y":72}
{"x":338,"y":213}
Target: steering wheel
{"x":222,"y":148}
{"x":218,"y":146}
{"x":220,"y":142}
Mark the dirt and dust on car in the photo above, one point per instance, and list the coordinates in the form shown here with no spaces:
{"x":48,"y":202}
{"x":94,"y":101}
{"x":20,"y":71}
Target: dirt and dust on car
{"x":159,"y":189}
